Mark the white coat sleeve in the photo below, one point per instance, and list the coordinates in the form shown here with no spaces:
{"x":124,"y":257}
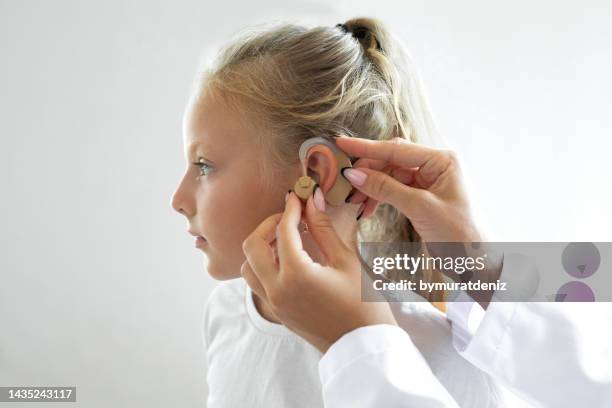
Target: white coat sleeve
{"x":555,"y":354}
{"x":379,"y":366}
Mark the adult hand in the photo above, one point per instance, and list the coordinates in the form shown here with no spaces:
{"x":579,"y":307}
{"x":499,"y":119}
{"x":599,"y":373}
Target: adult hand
{"x":423,"y":183}
{"x":318,"y":302}
{"x":426,"y":185}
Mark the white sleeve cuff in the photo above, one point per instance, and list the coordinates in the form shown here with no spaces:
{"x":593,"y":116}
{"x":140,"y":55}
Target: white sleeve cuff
{"x":522,"y":280}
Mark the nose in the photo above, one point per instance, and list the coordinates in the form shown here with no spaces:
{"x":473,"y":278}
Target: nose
{"x":182,"y":199}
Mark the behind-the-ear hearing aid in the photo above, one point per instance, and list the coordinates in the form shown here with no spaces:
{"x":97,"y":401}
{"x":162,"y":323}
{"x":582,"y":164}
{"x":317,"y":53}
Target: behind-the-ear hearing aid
{"x":305,"y":185}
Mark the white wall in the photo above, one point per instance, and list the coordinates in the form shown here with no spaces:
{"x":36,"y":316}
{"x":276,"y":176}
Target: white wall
{"x":100,"y":286}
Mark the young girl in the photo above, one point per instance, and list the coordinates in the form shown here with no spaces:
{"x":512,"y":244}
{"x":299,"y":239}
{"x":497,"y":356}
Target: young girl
{"x":268,"y":92}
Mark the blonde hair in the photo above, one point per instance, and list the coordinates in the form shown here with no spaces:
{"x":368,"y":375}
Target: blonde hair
{"x":352,"y":79}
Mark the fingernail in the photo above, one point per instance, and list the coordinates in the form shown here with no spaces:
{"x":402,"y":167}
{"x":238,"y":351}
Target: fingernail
{"x":356,"y":177}
{"x":287,"y":195}
{"x":348,"y":197}
{"x":360,"y":212}
{"x":319,"y":200}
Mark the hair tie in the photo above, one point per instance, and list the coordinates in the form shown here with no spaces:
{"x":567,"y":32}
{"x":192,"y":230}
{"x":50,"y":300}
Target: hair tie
{"x":360,"y":34}
{"x":343,"y":27}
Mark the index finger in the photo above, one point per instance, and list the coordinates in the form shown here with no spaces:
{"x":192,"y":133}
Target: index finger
{"x":399,"y":152}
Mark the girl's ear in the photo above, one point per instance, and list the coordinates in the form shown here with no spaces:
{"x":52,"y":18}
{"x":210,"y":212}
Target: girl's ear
{"x":322,"y":166}
{"x":322,"y":163}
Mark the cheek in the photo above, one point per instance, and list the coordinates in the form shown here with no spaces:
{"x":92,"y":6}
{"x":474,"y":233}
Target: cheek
{"x":234,"y":207}
{"x":249,"y":205}
{"x":221,"y":213}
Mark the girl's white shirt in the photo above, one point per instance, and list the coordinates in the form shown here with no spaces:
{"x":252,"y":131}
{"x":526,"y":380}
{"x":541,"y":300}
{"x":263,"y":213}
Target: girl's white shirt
{"x":253,"y":362}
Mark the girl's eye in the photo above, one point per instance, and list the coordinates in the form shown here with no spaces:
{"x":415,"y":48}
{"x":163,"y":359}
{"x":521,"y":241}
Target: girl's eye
{"x":205,"y":168}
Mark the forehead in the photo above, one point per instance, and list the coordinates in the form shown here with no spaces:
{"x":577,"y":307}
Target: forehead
{"x":213,"y":127}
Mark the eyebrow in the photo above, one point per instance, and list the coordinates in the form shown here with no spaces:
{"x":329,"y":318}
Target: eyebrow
{"x":192,"y":150}
{"x":192,"y":147}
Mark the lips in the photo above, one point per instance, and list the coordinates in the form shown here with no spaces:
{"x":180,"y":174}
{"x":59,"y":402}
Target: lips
{"x":199,"y":238}
{"x":200,"y":243}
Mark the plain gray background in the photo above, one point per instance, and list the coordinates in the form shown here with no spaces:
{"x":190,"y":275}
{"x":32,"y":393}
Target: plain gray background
{"x":100,"y":284}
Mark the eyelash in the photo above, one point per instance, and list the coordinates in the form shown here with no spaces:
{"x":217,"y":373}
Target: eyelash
{"x":203,"y":168}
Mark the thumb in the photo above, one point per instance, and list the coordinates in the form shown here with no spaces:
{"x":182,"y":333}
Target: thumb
{"x":324,"y":234}
{"x":386,"y":189}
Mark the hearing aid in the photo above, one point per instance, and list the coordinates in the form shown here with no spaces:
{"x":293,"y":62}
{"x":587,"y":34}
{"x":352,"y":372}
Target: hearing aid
{"x":304,"y":186}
